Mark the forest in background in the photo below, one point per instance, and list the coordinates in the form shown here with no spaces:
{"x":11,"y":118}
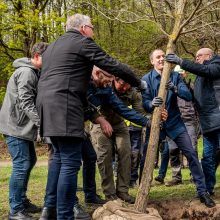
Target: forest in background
{"x":126,"y":29}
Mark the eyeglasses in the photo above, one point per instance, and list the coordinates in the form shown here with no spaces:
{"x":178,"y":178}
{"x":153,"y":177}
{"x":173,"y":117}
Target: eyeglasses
{"x":89,"y":26}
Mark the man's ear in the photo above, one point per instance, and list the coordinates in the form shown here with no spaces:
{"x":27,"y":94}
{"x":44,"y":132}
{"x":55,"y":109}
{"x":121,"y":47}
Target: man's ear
{"x":152,"y":62}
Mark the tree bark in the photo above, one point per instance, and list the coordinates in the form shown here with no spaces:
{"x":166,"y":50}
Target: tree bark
{"x":147,"y":175}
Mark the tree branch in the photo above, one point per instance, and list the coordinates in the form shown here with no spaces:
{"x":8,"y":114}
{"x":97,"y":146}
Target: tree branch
{"x":186,"y":50}
{"x":199,"y":27}
{"x":152,"y":9}
{"x":191,"y":15}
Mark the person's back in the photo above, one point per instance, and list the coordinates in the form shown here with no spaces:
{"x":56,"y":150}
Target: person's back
{"x":61,"y":100}
{"x":19,"y":123}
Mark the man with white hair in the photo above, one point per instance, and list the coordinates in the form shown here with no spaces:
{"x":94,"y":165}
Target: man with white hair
{"x":61,"y":100}
{"x":207,"y":101}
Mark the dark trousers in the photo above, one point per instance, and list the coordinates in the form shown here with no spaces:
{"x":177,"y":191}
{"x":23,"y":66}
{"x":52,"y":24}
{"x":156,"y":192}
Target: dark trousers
{"x":62,"y":176}
{"x":211,"y":146}
{"x":136,"y":141}
{"x":89,"y":168}
{"x":185,"y":145}
{"x":164,"y":150}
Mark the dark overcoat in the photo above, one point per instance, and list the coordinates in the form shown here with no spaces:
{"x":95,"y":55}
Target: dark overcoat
{"x":66,"y":72}
{"x":206,"y":91}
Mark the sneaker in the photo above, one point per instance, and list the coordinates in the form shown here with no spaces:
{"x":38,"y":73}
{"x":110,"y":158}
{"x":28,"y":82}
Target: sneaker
{"x":80,"y":213}
{"x":159,"y":179}
{"x":97,"y":200}
{"x":126,"y":197}
{"x":20,"y":215}
{"x":173,"y":182}
{"x":30,"y":207}
{"x":48,"y":214}
{"x":111,"y":197}
{"x":207,"y":200}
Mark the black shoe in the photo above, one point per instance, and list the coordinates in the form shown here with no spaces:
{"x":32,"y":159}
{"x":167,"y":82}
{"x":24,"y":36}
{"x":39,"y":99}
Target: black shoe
{"x":111,"y":197}
{"x":173,"y":182}
{"x":80,"y":213}
{"x":206,"y":199}
{"x":97,"y":200}
{"x":126,"y":197}
{"x":30,"y":207}
{"x":20,"y":215}
{"x":48,"y":214}
{"x":159,"y":179}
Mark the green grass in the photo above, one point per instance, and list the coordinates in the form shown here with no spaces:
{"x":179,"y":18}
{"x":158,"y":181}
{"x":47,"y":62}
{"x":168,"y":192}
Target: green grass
{"x":158,"y":192}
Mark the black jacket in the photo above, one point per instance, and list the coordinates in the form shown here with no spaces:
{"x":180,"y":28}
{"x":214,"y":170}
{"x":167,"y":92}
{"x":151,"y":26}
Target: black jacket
{"x":66,"y":72}
{"x":206,"y":91}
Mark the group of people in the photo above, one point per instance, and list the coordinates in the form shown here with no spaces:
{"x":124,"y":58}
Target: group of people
{"x":72,"y":80}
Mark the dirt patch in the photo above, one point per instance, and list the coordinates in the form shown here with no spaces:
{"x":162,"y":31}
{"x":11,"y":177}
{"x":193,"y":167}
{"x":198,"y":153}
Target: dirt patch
{"x":185,"y":210}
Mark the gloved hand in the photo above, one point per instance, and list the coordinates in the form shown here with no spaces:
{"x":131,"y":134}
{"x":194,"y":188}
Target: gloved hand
{"x":157,"y":101}
{"x":173,"y":58}
{"x":170,"y":85}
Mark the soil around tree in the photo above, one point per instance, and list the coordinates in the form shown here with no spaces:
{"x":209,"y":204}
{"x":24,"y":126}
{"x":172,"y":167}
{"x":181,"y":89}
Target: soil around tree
{"x":185,"y":210}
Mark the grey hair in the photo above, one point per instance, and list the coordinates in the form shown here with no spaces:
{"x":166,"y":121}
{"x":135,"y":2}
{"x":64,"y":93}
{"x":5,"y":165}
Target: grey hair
{"x":76,"y":21}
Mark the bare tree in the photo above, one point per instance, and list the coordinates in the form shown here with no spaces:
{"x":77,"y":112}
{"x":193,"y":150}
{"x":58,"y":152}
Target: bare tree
{"x":175,"y":19}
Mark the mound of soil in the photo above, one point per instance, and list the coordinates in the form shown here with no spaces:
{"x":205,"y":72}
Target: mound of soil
{"x":185,"y":210}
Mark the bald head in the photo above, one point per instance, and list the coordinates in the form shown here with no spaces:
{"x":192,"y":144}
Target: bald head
{"x":101,"y":78}
{"x":204,"y":54}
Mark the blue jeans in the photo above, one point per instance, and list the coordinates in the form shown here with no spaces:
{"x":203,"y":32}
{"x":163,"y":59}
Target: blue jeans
{"x":211,"y":144}
{"x":23,"y":159}
{"x":89,"y":169}
{"x":62,"y":176}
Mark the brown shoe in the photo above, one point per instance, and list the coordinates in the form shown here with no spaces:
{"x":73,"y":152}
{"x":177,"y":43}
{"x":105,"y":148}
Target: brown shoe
{"x":173,"y":182}
{"x":126,"y":197}
{"x":111,"y":197}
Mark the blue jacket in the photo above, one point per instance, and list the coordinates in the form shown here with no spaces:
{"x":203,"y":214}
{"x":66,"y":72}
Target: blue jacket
{"x":206,"y":91}
{"x":174,"y":124}
{"x":106,"y":101}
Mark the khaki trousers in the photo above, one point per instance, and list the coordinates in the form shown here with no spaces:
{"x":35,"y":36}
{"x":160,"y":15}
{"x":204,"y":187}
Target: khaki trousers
{"x":103,"y":147}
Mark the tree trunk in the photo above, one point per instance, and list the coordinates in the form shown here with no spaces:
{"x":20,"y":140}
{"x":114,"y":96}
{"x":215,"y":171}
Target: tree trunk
{"x":147,"y":175}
